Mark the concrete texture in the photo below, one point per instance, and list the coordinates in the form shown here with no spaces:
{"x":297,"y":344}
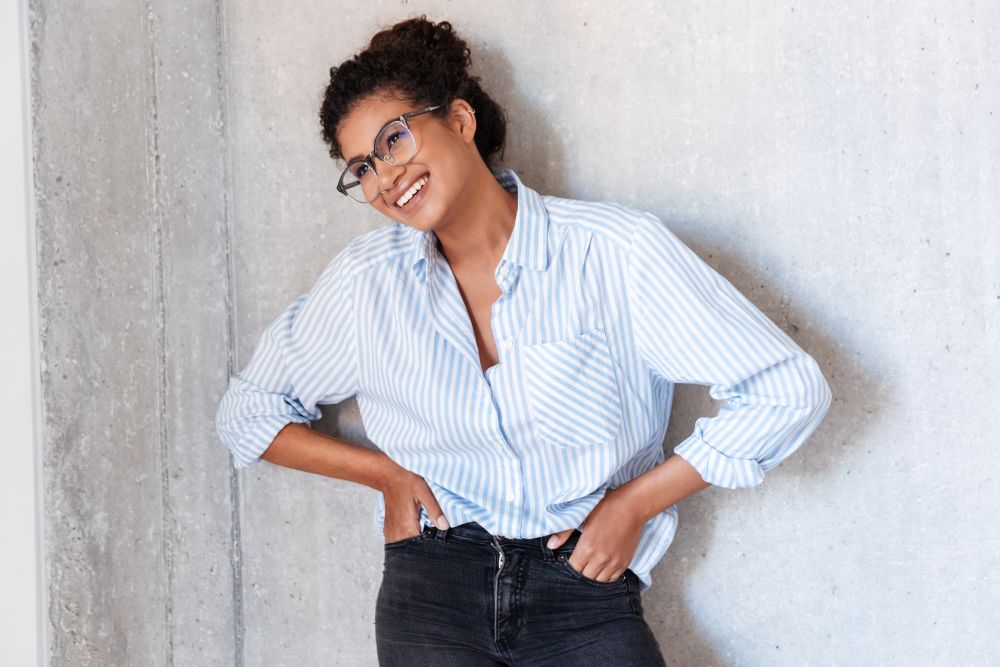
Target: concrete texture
{"x":839,"y":163}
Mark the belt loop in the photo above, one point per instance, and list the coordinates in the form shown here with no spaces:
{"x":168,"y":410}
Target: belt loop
{"x":440,"y":534}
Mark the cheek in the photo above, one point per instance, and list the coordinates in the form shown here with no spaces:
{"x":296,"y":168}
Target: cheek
{"x":444,"y":156}
{"x":448,"y":172}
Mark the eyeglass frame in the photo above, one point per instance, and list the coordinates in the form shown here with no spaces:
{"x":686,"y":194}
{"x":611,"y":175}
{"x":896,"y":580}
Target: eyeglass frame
{"x":384,"y":158}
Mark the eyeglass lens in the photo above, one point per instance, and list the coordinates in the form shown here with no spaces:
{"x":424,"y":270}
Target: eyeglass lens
{"x":394,"y":141}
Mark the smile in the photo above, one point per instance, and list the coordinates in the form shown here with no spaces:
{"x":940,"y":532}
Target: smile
{"x":412,"y":197}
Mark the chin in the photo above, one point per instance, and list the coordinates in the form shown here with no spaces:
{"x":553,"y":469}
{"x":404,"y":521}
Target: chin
{"x":426,"y":219}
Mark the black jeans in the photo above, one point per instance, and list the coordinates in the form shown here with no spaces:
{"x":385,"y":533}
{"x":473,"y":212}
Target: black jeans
{"x":464,"y":597}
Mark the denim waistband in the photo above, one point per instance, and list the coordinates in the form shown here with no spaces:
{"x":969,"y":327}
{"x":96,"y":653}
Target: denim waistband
{"x":472,"y":531}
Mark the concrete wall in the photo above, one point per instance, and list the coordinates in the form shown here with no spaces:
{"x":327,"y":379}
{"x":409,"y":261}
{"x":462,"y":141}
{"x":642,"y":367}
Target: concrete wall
{"x":838,"y":162}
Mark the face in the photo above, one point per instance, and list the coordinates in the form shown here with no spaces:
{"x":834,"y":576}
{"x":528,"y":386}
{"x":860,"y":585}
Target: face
{"x":445,"y":155}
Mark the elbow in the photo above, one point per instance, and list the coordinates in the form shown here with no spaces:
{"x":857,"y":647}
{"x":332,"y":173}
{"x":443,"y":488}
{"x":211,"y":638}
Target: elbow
{"x":818,"y":392}
{"x":815,"y":402}
{"x":220,"y":421}
{"x":225,"y":432}
{"x":231,"y":431}
{"x":801,"y":421}
{"x":248,"y":435}
{"x":249,"y":418}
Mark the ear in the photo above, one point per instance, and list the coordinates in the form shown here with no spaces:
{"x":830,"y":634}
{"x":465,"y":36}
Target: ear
{"x":463,"y":119}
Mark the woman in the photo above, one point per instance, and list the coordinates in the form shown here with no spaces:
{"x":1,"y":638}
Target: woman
{"x":513,"y":356}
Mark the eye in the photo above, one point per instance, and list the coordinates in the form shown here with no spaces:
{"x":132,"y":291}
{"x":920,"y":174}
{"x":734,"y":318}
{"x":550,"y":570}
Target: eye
{"x":393,"y":138}
{"x":360,"y":169}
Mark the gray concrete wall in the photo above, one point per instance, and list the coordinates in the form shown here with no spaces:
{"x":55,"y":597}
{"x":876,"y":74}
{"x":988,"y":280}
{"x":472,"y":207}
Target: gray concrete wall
{"x":838,"y":162}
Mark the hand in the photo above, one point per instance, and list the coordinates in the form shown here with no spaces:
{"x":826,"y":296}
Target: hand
{"x":404,"y":493}
{"x":608,"y":540}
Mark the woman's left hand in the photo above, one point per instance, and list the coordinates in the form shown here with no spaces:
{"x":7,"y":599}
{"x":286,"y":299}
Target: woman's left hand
{"x":608,"y":540}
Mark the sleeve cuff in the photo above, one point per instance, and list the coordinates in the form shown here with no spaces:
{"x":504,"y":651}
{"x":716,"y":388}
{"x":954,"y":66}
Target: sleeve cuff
{"x":718,"y":469}
{"x":255,"y":442}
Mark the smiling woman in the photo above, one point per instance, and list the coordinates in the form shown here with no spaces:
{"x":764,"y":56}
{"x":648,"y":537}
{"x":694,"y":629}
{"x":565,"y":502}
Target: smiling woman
{"x":513,"y":355}
{"x":417,"y":131}
{"x":419,"y":136}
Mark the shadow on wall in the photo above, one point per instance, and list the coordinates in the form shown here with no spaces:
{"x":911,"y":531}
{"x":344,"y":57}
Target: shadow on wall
{"x":696,"y":532}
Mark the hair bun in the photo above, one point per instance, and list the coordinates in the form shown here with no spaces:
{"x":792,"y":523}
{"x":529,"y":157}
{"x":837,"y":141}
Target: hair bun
{"x":422,"y":36}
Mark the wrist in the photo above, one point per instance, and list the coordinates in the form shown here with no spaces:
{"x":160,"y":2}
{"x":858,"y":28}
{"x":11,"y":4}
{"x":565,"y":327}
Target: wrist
{"x":631,"y":496}
{"x":385,"y":471}
{"x":661,"y":487}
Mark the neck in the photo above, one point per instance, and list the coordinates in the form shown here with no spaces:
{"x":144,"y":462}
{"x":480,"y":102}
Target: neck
{"x":476,"y":234}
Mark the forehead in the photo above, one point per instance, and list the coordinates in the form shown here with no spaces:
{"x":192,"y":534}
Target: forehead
{"x":359,"y":126}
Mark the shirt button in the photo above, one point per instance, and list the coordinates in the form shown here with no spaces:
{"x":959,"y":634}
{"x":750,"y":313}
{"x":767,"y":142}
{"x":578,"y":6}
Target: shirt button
{"x":506,"y":344}
{"x":510,"y":494}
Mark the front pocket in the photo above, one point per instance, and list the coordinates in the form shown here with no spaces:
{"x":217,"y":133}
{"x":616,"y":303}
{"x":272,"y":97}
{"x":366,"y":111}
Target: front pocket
{"x":406,"y":540}
{"x":572,"y":389}
{"x":564,"y":562}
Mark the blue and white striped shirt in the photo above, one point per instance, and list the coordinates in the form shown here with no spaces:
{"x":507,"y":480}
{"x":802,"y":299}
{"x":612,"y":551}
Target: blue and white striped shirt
{"x":603,"y":310}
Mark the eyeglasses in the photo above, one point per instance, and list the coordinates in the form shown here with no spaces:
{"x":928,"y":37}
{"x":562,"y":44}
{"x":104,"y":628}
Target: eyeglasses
{"x":394,"y":144}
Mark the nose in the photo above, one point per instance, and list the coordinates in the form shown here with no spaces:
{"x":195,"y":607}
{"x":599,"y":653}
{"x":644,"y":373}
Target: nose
{"x":388,"y":176}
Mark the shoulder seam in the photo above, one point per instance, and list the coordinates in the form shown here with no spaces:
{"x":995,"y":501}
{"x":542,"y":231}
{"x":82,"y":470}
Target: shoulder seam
{"x":356,"y":266}
{"x":629,"y":216}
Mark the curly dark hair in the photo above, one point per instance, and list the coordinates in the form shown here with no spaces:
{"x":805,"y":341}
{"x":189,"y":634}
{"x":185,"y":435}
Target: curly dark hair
{"x":423,"y":63}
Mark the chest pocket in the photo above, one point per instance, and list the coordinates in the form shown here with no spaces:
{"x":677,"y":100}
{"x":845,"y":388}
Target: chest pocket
{"x":572,"y":389}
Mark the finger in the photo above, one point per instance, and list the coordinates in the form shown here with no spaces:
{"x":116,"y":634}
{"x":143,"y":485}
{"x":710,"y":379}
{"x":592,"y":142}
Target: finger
{"x":607,"y":574}
{"x":558,"y":539}
{"x":583,"y":567}
{"x":434,"y":511}
{"x":598,"y":572}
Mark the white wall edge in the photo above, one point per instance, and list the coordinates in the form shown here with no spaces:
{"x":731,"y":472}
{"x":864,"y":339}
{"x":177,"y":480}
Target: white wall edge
{"x":23,"y":629}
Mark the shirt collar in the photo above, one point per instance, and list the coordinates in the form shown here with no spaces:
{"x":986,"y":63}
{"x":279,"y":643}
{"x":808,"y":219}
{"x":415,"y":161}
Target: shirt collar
{"x":528,"y":243}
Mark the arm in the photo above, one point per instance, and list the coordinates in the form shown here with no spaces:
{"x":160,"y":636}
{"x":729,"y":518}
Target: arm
{"x":305,"y":357}
{"x":301,"y":448}
{"x":298,"y":446}
{"x":692,"y":326}
{"x":664,"y":486}
{"x":309,"y":356}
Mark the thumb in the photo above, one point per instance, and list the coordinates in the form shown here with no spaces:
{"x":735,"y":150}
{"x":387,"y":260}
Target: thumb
{"x":559,"y":538}
{"x":434,"y":511}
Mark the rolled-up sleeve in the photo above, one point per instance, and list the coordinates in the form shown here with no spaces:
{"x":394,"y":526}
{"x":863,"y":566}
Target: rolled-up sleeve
{"x":693,"y":327}
{"x":305,"y":357}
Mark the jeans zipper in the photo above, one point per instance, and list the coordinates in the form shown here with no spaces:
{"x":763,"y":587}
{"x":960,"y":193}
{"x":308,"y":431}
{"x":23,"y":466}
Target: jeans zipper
{"x":496,"y":593}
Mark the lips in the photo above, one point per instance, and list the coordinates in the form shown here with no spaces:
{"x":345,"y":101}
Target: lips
{"x":416,"y":198}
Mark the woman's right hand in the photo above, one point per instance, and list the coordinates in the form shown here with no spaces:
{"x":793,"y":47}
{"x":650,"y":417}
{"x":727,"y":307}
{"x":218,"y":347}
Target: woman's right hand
{"x":404,"y":492}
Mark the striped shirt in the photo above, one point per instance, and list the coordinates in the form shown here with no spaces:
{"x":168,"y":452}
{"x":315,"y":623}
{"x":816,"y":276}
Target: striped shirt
{"x":603,"y":310}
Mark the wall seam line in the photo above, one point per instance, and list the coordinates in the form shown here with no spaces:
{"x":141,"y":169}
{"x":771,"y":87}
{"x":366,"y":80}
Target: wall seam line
{"x":157,"y":269}
{"x":235,"y":493}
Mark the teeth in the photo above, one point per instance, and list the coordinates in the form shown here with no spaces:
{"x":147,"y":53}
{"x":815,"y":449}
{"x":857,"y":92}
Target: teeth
{"x":412,"y":191}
